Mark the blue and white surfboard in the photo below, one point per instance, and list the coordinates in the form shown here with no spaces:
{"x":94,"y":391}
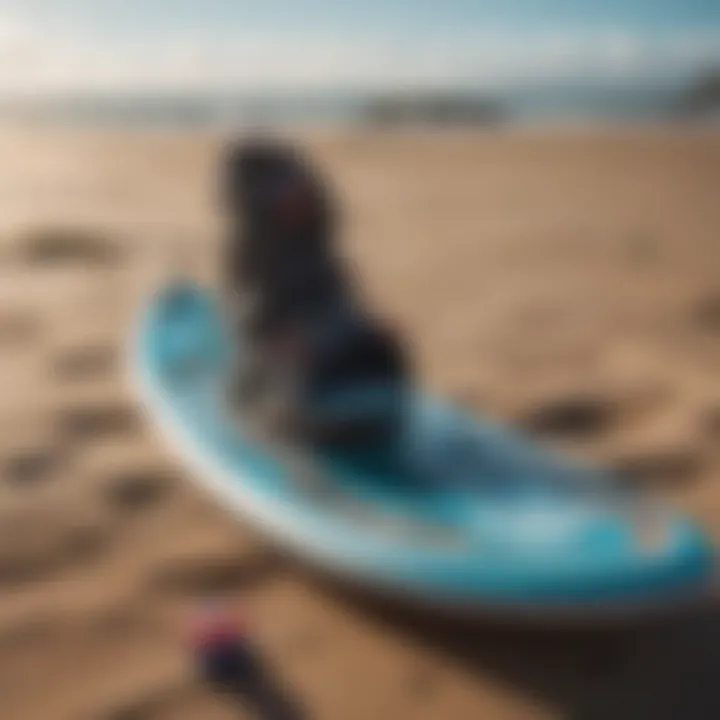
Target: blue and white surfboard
{"x":474,"y":517}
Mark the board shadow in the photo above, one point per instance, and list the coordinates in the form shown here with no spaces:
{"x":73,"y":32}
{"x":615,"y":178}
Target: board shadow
{"x":662,"y":669}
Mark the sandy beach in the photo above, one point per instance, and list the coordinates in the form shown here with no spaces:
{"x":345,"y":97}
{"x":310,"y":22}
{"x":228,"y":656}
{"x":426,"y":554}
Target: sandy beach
{"x":567,"y":282}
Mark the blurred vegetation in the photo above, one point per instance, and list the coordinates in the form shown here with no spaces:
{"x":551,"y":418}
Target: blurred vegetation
{"x":703,"y":98}
{"x":438,"y":109}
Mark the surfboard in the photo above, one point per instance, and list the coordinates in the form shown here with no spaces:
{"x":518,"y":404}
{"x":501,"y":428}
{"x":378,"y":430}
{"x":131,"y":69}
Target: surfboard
{"x":469,"y":515}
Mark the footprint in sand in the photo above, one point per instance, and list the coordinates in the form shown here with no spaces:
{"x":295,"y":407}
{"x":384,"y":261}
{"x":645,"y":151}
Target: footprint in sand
{"x":64,"y":246}
{"x":136,"y":490}
{"x":85,"y":363}
{"x":33,"y":466}
{"x":35,"y":545}
{"x":712,"y":421}
{"x":33,"y":628}
{"x":707,"y":313}
{"x":661,"y":465}
{"x":145,"y":706}
{"x":95,"y":421}
{"x":573,"y":416}
{"x":18,"y":328}
{"x":183,"y":699}
{"x":138,"y":709}
{"x":211,"y":573}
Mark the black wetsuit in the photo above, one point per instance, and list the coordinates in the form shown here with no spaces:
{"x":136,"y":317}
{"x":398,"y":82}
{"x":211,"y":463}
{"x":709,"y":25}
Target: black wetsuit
{"x":285,"y":279}
{"x":280,"y":264}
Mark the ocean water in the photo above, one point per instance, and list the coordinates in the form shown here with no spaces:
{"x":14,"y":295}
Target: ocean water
{"x":528,"y":104}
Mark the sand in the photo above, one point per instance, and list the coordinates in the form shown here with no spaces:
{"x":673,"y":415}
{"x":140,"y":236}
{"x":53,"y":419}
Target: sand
{"x":568,"y":282}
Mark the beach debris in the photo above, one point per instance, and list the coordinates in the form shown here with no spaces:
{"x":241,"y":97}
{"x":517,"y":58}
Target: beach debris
{"x":227,"y":658}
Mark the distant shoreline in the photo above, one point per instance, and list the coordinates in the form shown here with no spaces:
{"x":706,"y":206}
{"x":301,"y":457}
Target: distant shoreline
{"x":559,"y":104}
{"x":549,"y":130}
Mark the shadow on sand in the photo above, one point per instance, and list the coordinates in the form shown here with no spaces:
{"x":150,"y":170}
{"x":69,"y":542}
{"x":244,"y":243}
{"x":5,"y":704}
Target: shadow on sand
{"x":660,"y":669}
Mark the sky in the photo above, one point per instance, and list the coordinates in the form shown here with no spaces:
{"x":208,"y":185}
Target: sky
{"x":49,"y":46}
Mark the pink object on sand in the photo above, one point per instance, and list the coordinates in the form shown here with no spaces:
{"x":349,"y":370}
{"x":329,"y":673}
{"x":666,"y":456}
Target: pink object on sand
{"x":214,"y":625}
